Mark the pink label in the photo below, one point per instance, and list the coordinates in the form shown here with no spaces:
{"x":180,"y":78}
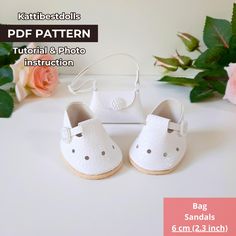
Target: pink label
{"x":200,"y":216}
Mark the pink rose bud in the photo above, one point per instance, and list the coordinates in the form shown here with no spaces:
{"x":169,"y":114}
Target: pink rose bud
{"x":184,"y":61}
{"x":230,"y":92}
{"x":171,"y":64}
{"x":191,"y":43}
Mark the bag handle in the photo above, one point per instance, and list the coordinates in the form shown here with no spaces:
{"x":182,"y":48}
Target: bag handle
{"x":76,"y":85}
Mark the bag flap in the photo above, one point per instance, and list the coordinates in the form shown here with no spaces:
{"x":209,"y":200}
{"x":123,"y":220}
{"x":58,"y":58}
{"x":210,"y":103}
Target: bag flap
{"x":114,"y":99}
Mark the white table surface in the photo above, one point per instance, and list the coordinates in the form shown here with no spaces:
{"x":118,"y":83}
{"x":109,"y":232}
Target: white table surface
{"x":41,"y":196}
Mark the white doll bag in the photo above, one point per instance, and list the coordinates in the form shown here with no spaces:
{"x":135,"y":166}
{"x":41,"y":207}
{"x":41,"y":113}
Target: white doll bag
{"x":112,"y":106}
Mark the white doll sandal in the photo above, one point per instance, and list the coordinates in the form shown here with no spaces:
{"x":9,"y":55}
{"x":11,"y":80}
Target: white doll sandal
{"x":161,"y":144}
{"x":86,"y":146}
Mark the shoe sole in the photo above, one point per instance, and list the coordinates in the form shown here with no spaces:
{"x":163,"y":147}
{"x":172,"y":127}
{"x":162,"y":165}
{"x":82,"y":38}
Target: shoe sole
{"x":94,"y":177}
{"x":151,"y":172}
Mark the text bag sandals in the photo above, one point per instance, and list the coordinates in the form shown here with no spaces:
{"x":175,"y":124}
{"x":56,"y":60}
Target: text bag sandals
{"x":120,"y":107}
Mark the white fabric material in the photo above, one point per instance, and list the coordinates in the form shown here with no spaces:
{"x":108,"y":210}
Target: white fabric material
{"x":117,"y":107}
{"x":93,"y":152}
{"x":158,"y":147}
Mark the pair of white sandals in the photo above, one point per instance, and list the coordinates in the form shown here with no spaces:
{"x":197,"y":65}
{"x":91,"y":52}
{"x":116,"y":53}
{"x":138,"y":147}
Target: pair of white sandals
{"x":90,"y":151}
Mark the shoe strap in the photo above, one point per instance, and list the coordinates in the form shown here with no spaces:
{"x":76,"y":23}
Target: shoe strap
{"x":78,"y":84}
{"x":179,"y":127}
{"x":165,"y":124}
{"x":68,"y":133}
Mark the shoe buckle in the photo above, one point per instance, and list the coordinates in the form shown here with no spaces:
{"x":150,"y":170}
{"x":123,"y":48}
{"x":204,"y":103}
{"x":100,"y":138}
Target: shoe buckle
{"x":183,"y":128}
{"x":66,"y":135}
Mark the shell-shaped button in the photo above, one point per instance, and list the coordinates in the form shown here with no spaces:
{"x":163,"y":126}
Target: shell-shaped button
{"x":118,"y":104}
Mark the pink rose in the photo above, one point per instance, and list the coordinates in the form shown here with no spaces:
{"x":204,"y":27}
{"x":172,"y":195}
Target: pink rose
{"x":42,"y":80}
{"x":230,"y":93}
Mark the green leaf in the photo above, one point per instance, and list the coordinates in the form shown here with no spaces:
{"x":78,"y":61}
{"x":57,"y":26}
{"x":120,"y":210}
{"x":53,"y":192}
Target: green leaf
{"x":218,"y":85}
{"x":217,"y":32}
{"x":182,"y":81}
{"x":13,"y":57}
{"x":5,"y":48}
{"x":10,"y":58}
{"x":6,"y":75}
{"x":212,"y":74}
{"x":6,"y":104}
{"x":213,"y":58}
{"x":4,"y":60}
{"x":232,"y":49}
{"x":199,"y":94}
{"x":233,"y":21}
{"x":215,"y":80}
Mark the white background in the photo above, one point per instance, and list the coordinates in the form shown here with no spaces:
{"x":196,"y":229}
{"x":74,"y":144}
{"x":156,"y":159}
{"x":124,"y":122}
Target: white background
{"x":140,"y":27}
